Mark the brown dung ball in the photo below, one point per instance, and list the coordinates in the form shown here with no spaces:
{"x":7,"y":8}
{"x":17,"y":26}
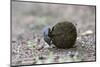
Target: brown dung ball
{"x":64,"y":35}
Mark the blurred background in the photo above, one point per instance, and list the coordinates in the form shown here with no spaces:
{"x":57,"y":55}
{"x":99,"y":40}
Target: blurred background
{"x":28,"y":21}
{"x":31,"y":17}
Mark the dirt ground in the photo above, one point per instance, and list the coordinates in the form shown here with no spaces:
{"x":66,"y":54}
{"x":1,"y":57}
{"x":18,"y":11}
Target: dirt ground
{"x":29,"y":19}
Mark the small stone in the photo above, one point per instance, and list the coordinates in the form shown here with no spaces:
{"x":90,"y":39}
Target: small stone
{"x":87,"y":33}
{"x":56,"y":59}
{"x":41,"y":58}
{"x":72,"y":55}
{"x":13,"y":41}
{"x":40,"y":47}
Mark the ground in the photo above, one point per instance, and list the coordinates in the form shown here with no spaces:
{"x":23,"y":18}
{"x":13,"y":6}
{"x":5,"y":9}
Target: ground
{"x":27,"y":43}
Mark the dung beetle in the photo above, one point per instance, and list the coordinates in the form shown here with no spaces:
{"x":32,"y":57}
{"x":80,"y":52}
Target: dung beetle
{"x":62,"y":35}
{"x":47,"y":35}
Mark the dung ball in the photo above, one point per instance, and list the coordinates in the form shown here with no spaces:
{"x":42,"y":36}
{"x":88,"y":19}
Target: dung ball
{"x":64,"y":35}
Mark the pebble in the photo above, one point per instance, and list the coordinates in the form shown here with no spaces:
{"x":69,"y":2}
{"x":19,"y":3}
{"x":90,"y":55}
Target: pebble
{"x":87,"y":32}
